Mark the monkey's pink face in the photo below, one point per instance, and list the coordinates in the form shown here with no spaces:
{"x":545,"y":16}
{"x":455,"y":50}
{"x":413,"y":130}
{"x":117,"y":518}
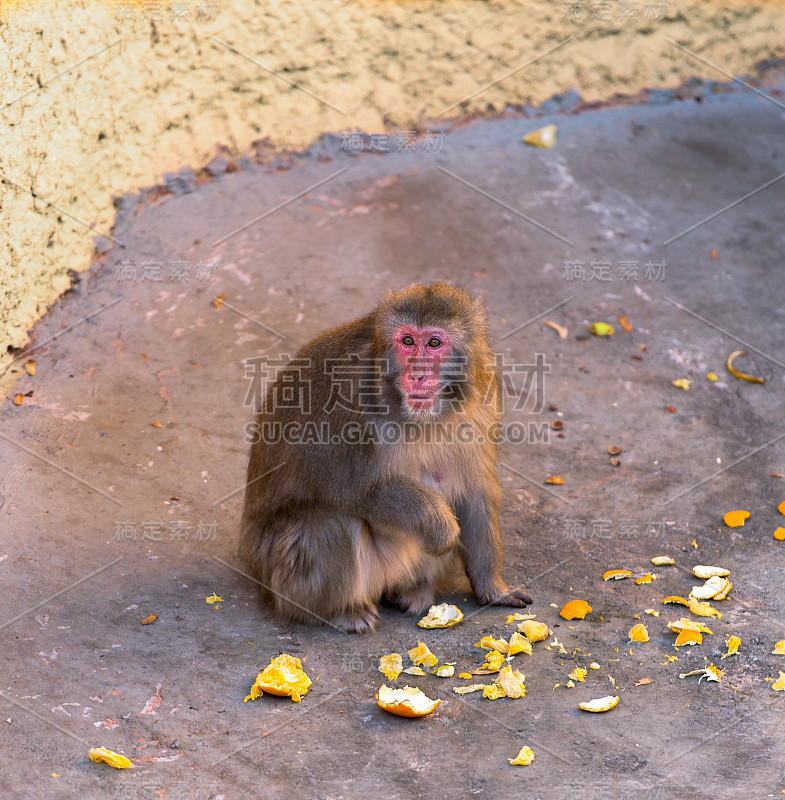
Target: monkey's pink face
{"x":421,"y":352}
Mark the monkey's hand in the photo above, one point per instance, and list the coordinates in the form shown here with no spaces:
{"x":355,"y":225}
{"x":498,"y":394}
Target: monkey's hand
{"x":404,"y":504}
{"x":503,"y":595}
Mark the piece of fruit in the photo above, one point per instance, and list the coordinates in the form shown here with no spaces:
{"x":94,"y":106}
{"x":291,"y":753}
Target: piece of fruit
{"x":685,"y":624}
{"x":542,"y":137}
{"x":493,"y":692}
{"x":779,"y":685}
{"x":662,"y":561}
{"x":489,"y":643}
{"x":418,"y":671}
{"x":709,"y":673}
{"x":519,"y":644}
{"x":524,"y":758}
{"x":391,"y":666}
{"x":616,"y":574}
{"x":422,"y":655}
{"x":736,"y":374}
{"x":674,"y":599}
{"x":733,"y":645}
{"x":493,"y":663}
{"x":779,"y":534}
{"x":705,"y":572}
{"x":647,"y":578}
{"x":735,"y":519}
{"x":534,"y":631}
{"x":283,"y":676}
{"x":512,"y":681}
{"x":688,"y":637}
{"x":703,"y":609}
{"x":712,"y":376}
{"x":600,"y":704}
{"x":441,"y":616}
{"x":781,"y":508}
{"x":560,"y":329}
{"x":575,"y":609}
{"x":682,"y":383}
{"x":445,"y":671}
{"x":710,"y":589}
{"x":779,"y":649}
{"x":109,"y":757}
{"x":405,"y":701}
{"x":625,"y":323}
{"x":474,"y":687}
{"x":601,"y":329}
{"x":578,"y":674}
{"x":638,"y":633}
{"x":213,"y":599}
{"x":555,"y":480}
{"x":723,"y":593}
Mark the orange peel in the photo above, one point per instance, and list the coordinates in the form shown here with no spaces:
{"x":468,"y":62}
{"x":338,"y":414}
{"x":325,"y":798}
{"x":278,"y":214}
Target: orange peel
{"x":534,"y":631}
{"x":575,"y":609}
{"x":109,"y":757}
{"x":441,"y":616}
{"x":674,"y":599}
{"x":616,"y":574}
{"x":662,"y":561}
{"x":405,"y":701}
{"x":779,"y":649}
{"x":422,"y":655}
{"x":736,"y":374}
{"x":519,"y":644}
{"x":600,"y":704}
{"x":391,"y":666}
{"x":735,"y":519}
{"x":284,"y":677}
{"x":639,"y":633}
{"x":524,"y":757}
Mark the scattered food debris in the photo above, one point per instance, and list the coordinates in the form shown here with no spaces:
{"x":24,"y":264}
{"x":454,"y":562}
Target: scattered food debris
{"x":284,"y":677}
{"x":674,"y":599}
{"x":643,"y":682}
{"x":18,"y":399}
{"x":733,"y":645}
{"x":524,"y":758}
{"x":600,"y":704}
{"x":391,"y":666}
{"x":30,"y":366}
{"x":616,"y":574}
{"x":736,"y":374}
{"x":445,"y":671}
{"x":662,"y":561}
{"x":109,"y":757}
{"x":575,"y":609}
{"x":709,"y":673}
{"x":578,"y":674}
{"x":712,"y":376}
{"x":509,"y":683}
{"x":422,"y":655}
{"x":560,"y":329}
{"x":639,"y":633}
{"x":489,"y":643}
{"x":406,"y":701}
{"x":149,"y":620}
{"x":601,"y":329}
{"x":534,"y":631}
{"x":705,"y":572}
{"x":418,"y":671}
{"x":779,"y":534}
{"x":555,"y":480}
{"x":520,"y":644}
{"x":735,"y":519}
{"x":213,"y":599}
{"x":474,"y":687}
{"x":682,"y":383}
{"x":218,"y":302}
{"x":779,"y":649}
{"x":441,"y":616}
{"x":615,"y":450}
{"x":779,"y":685}
{"x":647,"y":578}
{"x":542,"y":137}
{"x":625,"y":323}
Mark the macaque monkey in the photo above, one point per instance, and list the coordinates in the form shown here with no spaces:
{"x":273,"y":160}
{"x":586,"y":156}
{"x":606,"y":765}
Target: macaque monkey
{"x":394,"y":471}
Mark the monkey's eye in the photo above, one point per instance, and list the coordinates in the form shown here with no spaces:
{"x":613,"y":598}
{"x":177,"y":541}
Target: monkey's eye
{"x":434,"y":341}
{"x":408,"y":341}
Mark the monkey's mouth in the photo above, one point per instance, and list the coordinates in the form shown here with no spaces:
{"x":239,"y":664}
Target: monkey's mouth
{"x":421,"y":402}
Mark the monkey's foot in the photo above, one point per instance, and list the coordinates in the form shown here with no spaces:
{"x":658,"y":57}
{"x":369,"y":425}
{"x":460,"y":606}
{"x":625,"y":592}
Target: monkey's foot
{"x":505,"y":597}
{"x":356,"y":620}
{"x":415,"y":601}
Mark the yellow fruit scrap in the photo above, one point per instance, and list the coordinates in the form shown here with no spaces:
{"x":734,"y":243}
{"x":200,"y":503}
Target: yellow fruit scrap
{"x":733,"y":645}
{"x":616,"y":574}
{"x":712,"y":376}
{"x":570,"y":684}
{"x":489,"y":643}
{"x":284,"y":677}
{"x":601,"y":329}
{"x":512,"y":682}
{"x":518,"y":617}
{"x":446,"y":671}
{"x":662,"y":561}
{"x":779,"y":649}
{"x":578,"y":674}
{"x":405,"y":702}
{"x":711,"y":589}
{"x":534,"y":631}
{"x":391,"y":666}
{"x":723,"y":593}
{"x":779,"y":685}
{"x":109,"y":757}
{"x":422,"y":655}
{"x":474,"y":687}
{"x":781,"y":508}
{"x":647,"y":578}
{"x":779,"y":534}
{"x":674,"y":599}
{"x":418,"y":671}
{"x":30,"y":366}
{"x":441,"y":616}
{"x":575,"y":609}
{"x":685,"y":624}
{"x":519,"y":644}
{"x":643,"y":682}
{"x":709,"y":673}
{"x":705,"y":572}
{"x":682,"y":383}
{"x":542,"y":137}
{"x":493,"y":662}
{"x":213,"y":599}
{"x":493,"y":692}
{"x":524,"y":758}
{"x":467,"y":676}
{"x":669,"y":660}
{"x":639,"y":633}
{"x":555,"y":480}
{"x":703,"y":609}
{"x":625,"y":323}
{"x":594,"y":665}
{"x":688,"y":637}
{"x":735,"y":519}
{"x":600,"y":704}
{"x":736,"y":374}
{"x":652,"y":612}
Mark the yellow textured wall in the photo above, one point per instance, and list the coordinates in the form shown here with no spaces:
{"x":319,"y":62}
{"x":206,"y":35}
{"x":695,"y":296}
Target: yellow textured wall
{"x":156,"y":91}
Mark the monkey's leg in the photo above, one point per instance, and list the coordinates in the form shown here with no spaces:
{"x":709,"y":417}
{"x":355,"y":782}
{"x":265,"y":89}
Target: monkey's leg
{"x":416,"y":592}
{"x":314,"y":574}
{"x":480,"y":546}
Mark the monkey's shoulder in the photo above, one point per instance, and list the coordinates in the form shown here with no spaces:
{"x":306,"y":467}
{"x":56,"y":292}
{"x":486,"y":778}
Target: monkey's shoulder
{"x":348,"y":341}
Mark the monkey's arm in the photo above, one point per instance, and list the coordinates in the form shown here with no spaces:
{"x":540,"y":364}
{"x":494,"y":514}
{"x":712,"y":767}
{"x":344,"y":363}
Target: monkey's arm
{"x":481,"y":549}
{"x":403,"y":504}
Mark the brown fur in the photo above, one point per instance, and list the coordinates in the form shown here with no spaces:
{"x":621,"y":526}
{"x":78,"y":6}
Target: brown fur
{"x":337,"y":527}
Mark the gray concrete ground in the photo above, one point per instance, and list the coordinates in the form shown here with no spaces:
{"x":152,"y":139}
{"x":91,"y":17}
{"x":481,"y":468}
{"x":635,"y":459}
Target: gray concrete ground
{"x":120,"y":489}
